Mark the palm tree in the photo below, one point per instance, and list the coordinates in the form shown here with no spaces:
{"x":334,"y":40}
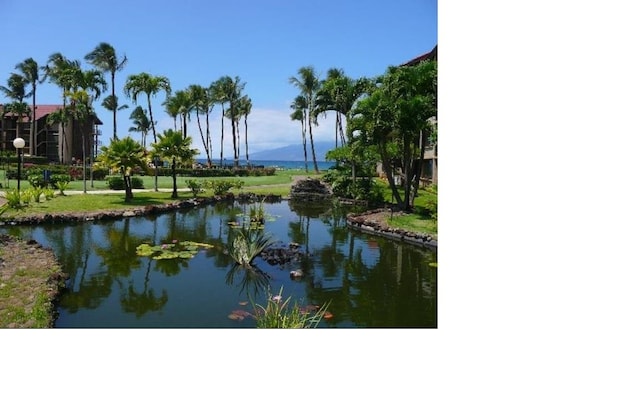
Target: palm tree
{"x":29,"y":70}
{"x":231,"y":90}
{"x":308,"y":84}
{"x":62,"y":72}
{"x":124,"y":154}
{"x":173,"y":146}
{"x":105,"y":59}
{"x":150,"y":85}
{"x":16,"y":88}
{"x":19,"y":109}
{"x":299,"y":107}
{"x":181,"y":103}
{"x":244,"y":111}
{"x":141,"y":124}
{"x":218,"y":96}
{"x":202,"y":104}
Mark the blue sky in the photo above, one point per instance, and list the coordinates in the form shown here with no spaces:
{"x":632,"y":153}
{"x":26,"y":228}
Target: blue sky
{"x":197,"y":42}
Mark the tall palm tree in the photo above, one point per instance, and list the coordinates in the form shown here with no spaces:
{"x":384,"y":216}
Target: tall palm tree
{"x":173,"y":146}
{"x":172,"y":107}
{"x":181,"y":102}
{"x":124,"y":154}
{"x":299,"y":107}
{"x":30,"y":71}
{"x":308,"y":84}
{"x":150,"y":85}
{"x":105,"y":59}
{"x":218,"y":96}
{"x":202,"y":105}
{"x":245,"y":109}
{"x":232,"y":92}
{"x":141,"y":124}
{"x":62,"y":72}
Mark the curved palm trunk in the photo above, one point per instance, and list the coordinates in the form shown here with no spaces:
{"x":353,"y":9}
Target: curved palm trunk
{"x":304,"y":146}
{"x":221,"y":136}
{"x":235,"y":141}
{"x":246,"y":142}
{"x":153,"y":124}
{"x":208,"y":147}
{"x":204,"y":140}
{"x":115,"y":108}
{"x":313,"y":150}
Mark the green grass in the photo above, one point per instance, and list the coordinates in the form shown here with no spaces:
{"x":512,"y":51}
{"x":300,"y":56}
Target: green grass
{"x":91,"y":202}
{"x":414,"y":223}
{"x":166,"y":182}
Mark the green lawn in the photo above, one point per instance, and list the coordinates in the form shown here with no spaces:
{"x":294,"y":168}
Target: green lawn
{"x":284,"y":177}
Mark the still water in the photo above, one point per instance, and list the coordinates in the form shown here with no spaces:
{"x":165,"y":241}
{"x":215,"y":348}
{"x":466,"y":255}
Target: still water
{"x":369,"y":281}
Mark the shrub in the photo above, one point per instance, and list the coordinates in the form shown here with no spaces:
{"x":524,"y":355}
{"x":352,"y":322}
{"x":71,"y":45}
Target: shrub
{"x":14,"y":199}
{"x":195,"y":186}
{"x":222,"y":187}
{"x":117,"y":183}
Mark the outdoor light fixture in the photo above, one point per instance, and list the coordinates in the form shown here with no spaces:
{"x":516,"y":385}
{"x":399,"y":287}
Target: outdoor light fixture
{"x":18,"y":143}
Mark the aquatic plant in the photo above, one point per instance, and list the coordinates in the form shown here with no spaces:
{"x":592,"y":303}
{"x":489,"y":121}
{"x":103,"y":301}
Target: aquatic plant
{"x":279,"y":313}
{"x":246,"y":243}
{"x":175,"y":249}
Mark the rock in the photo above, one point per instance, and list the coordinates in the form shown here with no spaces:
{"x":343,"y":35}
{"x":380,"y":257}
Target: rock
{"x":310,"y":190}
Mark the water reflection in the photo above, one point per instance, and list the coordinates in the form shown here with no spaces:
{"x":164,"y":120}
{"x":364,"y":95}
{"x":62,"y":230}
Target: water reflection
{"x":369,"y":281}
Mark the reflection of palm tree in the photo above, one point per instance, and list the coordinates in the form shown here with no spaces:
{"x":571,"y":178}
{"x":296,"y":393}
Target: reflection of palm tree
{"x":119,"y":255}
{"x":142,"y":303}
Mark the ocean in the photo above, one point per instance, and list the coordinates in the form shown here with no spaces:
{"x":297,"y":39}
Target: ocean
{"x":322,"y":165}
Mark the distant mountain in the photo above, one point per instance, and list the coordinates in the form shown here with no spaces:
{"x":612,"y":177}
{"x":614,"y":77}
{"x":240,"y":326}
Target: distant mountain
{"x":294,"y":152}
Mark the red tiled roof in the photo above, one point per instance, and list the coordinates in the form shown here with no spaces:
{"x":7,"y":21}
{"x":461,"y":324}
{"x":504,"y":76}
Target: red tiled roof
{"x":42,"y":110}
{"x":432,"y":55}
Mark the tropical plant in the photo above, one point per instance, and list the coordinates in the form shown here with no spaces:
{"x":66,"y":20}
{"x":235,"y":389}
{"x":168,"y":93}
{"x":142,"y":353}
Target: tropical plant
{"x":203,"y":104}
{"x":246,"y":243}
{"x":141,"y":124}
{"x":124,"y":154}
{"x":279,"y":313}
{"x":244,"y":107}
{"x":299,"y":107}
{"x":299,"y":114}
{"x":231,"y":92}
{"x":30,"y":71}
{"x":195,"y":186}
{"x":104,"y":57}
{"x":309,"y":84}
{"x":172,"y":146}
{"x":149,"y":85}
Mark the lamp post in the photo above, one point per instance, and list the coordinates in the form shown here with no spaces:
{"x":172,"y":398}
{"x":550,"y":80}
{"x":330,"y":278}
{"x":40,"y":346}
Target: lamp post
{"x":18,"y":143}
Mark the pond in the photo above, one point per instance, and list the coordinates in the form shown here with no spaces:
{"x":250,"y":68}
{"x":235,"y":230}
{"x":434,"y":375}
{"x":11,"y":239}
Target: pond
{"x":367,"y":281}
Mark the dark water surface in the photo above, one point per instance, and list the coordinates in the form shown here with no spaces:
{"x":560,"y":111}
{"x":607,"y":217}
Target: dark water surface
{"x":369,"y":281}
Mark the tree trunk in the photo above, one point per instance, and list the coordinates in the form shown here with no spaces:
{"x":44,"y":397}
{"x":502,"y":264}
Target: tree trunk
{"x":221,"y":136}
{"x":246,"y":141}
{"x":153,"y":125}
{"x":115,"y":105}
{"x":313,"y":149}
{"x":174,"y":195}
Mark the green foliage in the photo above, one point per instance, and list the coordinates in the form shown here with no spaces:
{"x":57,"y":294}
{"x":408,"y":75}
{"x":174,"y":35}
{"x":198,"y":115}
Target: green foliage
{"x":61,"y":185}
{"x":176,"y":249}
{"x":195,"y":186}
{"x":280,"y":313}
{"x":221,"y":187}
{"x":48,"y":193}
{"x":14,"y":199}
{"x":431,"y":201}
{"x":246,"y":243}
{"x":35,"y":193}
